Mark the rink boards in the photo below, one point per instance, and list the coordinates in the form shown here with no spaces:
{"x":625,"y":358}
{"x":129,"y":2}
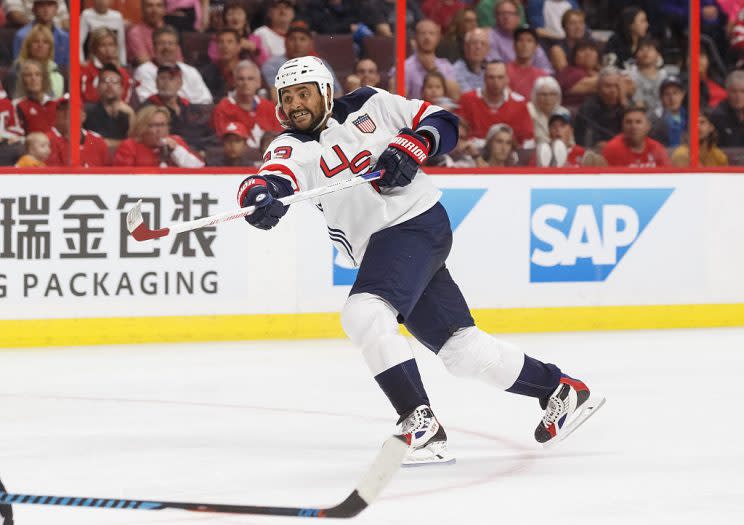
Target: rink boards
{"x":531,"y":253}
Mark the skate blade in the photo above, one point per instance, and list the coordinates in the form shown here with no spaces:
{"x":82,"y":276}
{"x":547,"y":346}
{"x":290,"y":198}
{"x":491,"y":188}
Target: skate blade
{"x":425,"y":456}
{"x":588,"y":410}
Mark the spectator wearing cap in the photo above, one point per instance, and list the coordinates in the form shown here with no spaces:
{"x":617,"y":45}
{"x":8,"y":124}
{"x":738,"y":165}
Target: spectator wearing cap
{"x":184,"y":120}
{"x":34,"y":107}
{"x":546,"y":99}
{"x":103,"y":51}
{"x":561,"y":150}
{"x":424,"y":60}
{"x":234,"y":147}
{"x":242,"y":105}
{"x":709,"y":152}
{"x":728,"y":116}
{"x":632,"y":147}
{"x":579,"y":79}
{"x":546,"y":16}
{"x":218,"y":76}
{"x":139,"y":37}
{"x":280,"y":14}
{"x":39,"y":45}
{"x":469,"y":69}
{"x":21,"y":12}
{"x":101,"y":15}
{"x":44,"y":12}
{"x":110,"y":117}
{"x":496,"y":104}
{"x":600,"y":117}
{"x":522,"y":73}
{"x":167,"y":51}
{"x":669,"y":120}
{"x":502,"y":36}
{"x":235,"y":16}
{"x":647,"y":73}
{"x":573,"y":23}
{"x":299,"y":44}
{"x":499,"y":148}
{"x":152,"y":144}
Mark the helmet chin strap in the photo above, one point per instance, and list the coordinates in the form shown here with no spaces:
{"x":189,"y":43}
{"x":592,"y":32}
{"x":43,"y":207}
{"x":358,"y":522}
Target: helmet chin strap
{"x":328,"y":106}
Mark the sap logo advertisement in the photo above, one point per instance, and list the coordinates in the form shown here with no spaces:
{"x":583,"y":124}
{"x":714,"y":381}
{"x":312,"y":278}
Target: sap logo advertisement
{"x":581,"y":235}
{"x":458,"y":203}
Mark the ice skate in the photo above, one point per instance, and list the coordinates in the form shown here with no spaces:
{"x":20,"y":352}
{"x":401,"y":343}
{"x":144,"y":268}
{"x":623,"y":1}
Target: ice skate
{"x":426,"y":438}
{"x":565,"y":410}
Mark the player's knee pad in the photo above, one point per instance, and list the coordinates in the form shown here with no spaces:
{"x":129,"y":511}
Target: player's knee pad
{"x":471,"y":352}
{"x":371,"y":323}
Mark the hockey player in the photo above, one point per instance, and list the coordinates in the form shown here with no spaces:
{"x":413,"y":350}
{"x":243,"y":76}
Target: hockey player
{"x":399,"y":235}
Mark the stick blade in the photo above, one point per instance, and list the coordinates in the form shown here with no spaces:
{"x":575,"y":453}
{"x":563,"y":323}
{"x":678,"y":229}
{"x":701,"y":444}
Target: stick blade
{"x":137,"y":227}
{"x":375,"y":480}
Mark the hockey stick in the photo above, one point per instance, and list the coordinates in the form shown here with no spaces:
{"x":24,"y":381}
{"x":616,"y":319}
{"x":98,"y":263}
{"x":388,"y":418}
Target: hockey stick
{"x":372,"y":483}
{"x":141,"y":232}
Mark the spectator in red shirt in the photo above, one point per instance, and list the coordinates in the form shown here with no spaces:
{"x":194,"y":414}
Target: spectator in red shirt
{"x":35,"y":109}
{"x":632,"y":147}
{"x":59,"y":135}
{"x":522,"y":74}
{"x":496,"y":104}
{"x":242,"y":105}
{"x":580,"y":78}
{"x":441,"y":11}
{"x":10,"y":131}
{"x":102,"y":50}
{"x":151,"y":143}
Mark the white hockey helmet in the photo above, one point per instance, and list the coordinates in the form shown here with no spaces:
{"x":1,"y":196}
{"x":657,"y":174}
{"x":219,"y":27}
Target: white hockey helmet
{"x":299,"y":71}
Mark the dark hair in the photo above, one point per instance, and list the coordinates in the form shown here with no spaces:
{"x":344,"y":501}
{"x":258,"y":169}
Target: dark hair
{"x":712,"y":139}
{"x":569,"y":13}
{"x":111,"y":68}
{"x":225,"y":30}
{"x":584,"y":43}
{"x":236,"y":4}
{"x":648,"y":41}
{"x":635,"y":108}
{"x":627,"y":16}
{"x":165,"y":30}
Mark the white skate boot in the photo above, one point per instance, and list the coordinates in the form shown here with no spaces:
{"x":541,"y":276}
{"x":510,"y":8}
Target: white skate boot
{"x":426,"y":438}
{"x":565,"y":410}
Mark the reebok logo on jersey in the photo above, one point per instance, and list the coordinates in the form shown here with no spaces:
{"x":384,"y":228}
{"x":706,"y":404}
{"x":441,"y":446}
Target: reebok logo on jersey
{"x":412,"y":148}
{"x":581,"y":235}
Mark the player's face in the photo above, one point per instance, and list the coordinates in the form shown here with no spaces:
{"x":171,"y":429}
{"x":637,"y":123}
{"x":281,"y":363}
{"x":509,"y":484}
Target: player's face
{"x":672,"y":98}
{"x":303,"y":105}
{"x":233,"y":146}
{"x":247,"y":81}
{"x":635,"y":127}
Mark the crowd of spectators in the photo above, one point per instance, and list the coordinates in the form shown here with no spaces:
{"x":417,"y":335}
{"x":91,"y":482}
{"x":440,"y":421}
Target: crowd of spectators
{"x":538,"y":83}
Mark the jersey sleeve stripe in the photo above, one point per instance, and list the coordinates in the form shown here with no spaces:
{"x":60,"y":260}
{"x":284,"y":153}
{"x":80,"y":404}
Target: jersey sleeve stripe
{"x":420,"y":113}
{"x":281,"y":168}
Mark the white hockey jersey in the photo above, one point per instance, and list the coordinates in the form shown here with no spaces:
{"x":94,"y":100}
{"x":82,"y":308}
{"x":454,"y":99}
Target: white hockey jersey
{"x":363,"y":124}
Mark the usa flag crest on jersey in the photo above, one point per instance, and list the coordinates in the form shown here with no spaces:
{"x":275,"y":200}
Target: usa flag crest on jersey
{"x":365,"y":124}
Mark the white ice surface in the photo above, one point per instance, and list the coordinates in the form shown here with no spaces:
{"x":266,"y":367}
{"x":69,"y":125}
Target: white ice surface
{"x":296,"y":424}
